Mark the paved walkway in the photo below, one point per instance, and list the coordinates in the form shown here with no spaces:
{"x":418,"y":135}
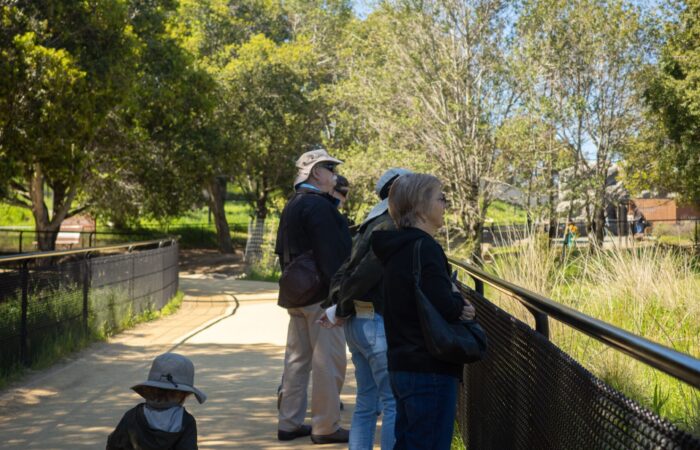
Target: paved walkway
{"x":231,"y":329}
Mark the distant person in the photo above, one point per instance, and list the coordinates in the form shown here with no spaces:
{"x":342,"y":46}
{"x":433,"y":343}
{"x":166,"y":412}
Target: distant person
{"x":311,"y":227}
{"x":425,"y":387}
{"x":341,"y":191}
{"x":161,"y":423}
{"x":571,"y":235}
{"x":639,"y":222}
{"x":357,"y":292}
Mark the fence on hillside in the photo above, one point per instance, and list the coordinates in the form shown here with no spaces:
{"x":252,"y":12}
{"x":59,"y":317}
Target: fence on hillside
{"x":196,"y":234}
{"x":684,"y":232}
{"x":60,"y":298}
{"x":527,"y":393}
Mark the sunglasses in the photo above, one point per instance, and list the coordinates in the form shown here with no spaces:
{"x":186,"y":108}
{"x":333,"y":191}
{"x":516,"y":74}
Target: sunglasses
{"x":330,"y":167}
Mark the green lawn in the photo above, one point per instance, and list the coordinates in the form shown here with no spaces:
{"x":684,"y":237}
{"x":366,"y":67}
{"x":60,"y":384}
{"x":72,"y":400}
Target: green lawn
{"x":14,"y":216}
{"x":501,"y":213}
{"x":237,"y":212}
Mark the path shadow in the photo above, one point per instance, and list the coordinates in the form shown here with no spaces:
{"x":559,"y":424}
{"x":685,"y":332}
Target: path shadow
{"x":78,"y":406}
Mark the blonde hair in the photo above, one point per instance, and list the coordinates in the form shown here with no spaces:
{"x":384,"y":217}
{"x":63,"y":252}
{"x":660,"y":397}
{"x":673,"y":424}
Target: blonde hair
{"x":409,"y":195}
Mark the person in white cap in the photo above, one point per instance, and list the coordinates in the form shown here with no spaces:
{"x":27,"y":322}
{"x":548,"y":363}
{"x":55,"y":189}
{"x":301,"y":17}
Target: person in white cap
{"x":311,"y":223}
{"x":161,"y":422}
{"x":356,"y":290}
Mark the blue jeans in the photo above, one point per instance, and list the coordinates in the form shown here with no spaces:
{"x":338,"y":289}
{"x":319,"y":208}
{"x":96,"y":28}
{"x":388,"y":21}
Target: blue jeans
{"x":426,"y":405}
{"x":367,"y":343}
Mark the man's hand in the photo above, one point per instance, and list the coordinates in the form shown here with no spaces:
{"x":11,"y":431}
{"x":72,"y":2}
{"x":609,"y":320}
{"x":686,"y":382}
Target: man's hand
{"x":325,"y":322}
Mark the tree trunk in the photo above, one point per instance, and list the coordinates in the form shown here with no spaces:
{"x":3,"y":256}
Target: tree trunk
{"x":473,"y":225}
{"x":599,"y":225}
{"x":46,"y":231}
{"x":216,"y":189}
{"x":552,"y":209}
{"x":256,"y":233}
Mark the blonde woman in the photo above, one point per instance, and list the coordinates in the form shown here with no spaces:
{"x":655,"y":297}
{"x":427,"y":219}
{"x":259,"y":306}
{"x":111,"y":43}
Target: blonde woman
{"x":425,"y":388}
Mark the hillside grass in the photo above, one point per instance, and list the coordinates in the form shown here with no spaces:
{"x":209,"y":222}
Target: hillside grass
{"x":14,"y":216}
{"x":502,"y":213}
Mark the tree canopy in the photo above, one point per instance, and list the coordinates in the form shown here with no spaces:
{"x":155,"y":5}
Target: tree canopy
{"x":129,"y":108}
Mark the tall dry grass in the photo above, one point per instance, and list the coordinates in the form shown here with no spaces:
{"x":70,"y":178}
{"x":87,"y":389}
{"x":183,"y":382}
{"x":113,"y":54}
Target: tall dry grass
{"x":648,"y":291}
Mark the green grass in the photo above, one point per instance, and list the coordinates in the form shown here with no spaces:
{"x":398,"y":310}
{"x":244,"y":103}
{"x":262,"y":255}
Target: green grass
{"x":193,"y":228}
{"x":263,"y":275}
{"x":457,"y":441}
{"x":237,"y":214}
{"x":649,"y":291}
{"x":501,"y":213}
{"x":14,"y":216}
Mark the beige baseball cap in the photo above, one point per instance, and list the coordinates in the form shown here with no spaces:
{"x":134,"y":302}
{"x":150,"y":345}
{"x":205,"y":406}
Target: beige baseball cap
{"x":308,"y":160}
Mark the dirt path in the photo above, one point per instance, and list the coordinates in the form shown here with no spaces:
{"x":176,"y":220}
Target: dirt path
{"x":231,"y":329}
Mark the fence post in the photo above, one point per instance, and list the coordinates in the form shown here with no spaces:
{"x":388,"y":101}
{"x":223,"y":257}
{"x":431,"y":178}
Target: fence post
{"x":132,"y":279}
{"x":23,"y":331}
{"x":20,"y":241}
{"x":478,"y":286}
{"x":86,"y":291}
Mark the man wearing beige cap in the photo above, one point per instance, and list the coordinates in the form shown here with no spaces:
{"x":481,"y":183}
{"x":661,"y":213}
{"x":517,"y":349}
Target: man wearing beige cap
{"x":311,"y":224}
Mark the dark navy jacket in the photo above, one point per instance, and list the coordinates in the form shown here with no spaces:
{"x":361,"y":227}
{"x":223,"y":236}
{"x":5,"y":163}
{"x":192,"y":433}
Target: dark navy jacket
{"x":312,"y":222}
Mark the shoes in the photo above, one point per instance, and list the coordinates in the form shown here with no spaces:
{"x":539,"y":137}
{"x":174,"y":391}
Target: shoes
{"x":340,"y":435}
{"x":303,"y":430}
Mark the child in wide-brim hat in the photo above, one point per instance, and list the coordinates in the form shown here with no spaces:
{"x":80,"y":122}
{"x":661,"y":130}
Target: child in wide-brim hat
{"x":162,"y":421}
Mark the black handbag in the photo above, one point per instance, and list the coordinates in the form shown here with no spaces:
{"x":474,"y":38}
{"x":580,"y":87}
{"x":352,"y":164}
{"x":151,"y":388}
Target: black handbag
{"x":300,"y":282}
{"x":461,"y":342}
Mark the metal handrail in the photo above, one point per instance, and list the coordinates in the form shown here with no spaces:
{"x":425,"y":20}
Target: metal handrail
{"x":679,"y":365}
{"x":38,"y":255}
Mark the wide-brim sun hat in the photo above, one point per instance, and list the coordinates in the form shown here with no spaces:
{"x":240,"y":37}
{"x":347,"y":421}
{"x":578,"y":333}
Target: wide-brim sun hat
{"x":308,"y":160}
{"x":386,"y":178}
{"x":174,"y":372}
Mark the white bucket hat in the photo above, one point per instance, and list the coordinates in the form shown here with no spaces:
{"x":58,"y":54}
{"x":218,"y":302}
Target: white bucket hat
{"x":174,"y":372}
{"x":308,"y":160}
{"x":386,"y":178}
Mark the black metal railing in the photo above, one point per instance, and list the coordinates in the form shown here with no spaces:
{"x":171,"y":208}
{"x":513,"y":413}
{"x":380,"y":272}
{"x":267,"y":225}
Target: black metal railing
{"x":58,"y":299}
{"x":528,"y":393}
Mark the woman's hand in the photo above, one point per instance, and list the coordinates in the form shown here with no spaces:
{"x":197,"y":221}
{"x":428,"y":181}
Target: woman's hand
{"x":468,"y":311}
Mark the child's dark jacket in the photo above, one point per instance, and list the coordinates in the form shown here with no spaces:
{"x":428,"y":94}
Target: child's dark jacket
{"x":134,"y":433}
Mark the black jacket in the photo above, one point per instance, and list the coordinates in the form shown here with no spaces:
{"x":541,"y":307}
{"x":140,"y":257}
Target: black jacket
{"x":312,"y":222}
{"x":134,"y":433}
{"x":407,"y":351}
{"x":360,"y":276}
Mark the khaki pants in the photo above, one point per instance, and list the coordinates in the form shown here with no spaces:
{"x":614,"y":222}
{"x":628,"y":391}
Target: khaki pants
{"x":319,"y":352}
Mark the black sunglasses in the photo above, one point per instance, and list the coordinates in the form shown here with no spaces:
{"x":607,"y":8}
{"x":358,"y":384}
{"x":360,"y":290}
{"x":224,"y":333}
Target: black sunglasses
{"x":330,"y":167}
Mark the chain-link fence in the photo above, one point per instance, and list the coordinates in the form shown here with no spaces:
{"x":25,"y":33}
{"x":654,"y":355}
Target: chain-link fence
{"x":59,"y":301}
{"x":528,"y":394}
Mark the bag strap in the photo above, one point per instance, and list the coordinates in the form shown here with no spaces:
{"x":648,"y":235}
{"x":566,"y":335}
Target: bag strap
{"x":416,"y":261}
{"x":286,"y":259}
